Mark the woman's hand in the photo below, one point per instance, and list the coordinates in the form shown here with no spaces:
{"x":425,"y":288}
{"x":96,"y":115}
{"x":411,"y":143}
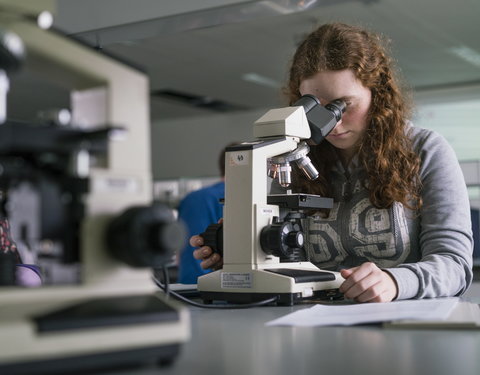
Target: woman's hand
{"x":206,"y":254}
{"x":368,"y":283}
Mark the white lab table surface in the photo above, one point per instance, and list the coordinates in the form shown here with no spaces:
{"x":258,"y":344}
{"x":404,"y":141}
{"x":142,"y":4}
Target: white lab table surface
{"x":238,"y":342}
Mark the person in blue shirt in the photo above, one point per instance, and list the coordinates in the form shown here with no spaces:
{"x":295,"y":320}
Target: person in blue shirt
{"x":198,"y":210}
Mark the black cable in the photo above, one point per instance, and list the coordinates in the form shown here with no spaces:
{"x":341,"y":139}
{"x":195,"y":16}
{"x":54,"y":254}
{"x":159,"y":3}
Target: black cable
{"x":178,"y":296}
{"x":166,"y":278}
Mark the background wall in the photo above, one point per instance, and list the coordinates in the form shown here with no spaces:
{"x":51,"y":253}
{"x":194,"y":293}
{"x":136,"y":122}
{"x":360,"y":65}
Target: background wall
{"x":192,"y":146}
{"x":453,"y":112}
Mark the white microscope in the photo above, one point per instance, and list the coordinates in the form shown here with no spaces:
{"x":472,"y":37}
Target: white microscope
{"x":259,"y":248}
{"x":76,"y":194}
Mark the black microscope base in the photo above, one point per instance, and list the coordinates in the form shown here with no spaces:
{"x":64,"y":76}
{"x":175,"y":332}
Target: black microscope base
{"x":110,"y":361}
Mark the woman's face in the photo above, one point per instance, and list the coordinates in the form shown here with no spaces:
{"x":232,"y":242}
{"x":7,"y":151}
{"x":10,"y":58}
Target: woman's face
{"x":342,"y":84}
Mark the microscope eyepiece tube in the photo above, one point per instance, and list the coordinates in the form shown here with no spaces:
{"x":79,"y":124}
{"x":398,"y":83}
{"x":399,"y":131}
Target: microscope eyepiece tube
{"x":337,"y":107}
{"x":307,"y":102}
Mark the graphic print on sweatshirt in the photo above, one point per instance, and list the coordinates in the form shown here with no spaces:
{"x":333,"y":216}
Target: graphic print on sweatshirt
{"x":356,"y":232}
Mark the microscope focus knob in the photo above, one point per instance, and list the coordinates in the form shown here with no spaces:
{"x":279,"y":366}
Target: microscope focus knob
{"x":213,"y":238}
{"x":145,"y":236}
{"x":295,"y":239}
{"x":165,"y":235}
{"x":281,"y":239}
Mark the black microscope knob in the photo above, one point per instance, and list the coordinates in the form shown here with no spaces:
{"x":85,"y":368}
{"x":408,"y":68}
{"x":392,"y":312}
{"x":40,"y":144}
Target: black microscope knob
{"x":280,"y":239}
{"x":145,"y":236}
{"x":213,"y":238}
{"x":295,"y":239}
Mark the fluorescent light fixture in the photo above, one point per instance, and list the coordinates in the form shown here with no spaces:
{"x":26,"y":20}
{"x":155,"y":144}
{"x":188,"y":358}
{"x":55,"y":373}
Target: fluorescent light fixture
{"x":467,"y":54}
{"x":261,"y":80}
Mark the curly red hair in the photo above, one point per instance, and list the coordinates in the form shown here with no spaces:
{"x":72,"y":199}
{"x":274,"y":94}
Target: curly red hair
{"x":385,"y":151}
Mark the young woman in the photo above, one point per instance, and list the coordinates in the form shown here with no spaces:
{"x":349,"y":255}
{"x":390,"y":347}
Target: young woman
{"x":400,"y":226}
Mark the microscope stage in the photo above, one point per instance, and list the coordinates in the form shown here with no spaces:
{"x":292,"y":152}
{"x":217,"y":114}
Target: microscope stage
{"x":300,"y":201}
{"x":107,"y":312}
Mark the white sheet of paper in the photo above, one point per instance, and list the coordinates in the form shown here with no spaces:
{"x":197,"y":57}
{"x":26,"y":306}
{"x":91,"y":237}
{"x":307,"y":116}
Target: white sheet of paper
{"x":326,"y":315}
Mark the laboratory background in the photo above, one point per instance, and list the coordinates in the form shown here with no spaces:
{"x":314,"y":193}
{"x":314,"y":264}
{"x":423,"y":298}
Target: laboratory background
{"x":198,"y":75}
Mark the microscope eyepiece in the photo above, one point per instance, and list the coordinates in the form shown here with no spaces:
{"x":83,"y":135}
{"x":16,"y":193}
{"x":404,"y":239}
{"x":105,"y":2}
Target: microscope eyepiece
{"x":307,"y":102}
{"x":321,"y":119}
{"x":337,"y":107}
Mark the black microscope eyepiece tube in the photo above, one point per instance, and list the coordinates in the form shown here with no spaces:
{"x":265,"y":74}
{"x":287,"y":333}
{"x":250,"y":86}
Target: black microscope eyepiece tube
{"x":307,"y":102}
{"x":321,"y":119}
{"x":337,"y":107}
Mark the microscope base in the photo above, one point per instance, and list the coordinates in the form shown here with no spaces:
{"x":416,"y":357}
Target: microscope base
{"x":289,"y":282}
{"x":110,"y":361}
{"x":283,"y":299}
{"x":99,"y":333}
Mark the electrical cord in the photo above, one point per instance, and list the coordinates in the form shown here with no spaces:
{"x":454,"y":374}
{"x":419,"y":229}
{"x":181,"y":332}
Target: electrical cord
{"x":165,"y":287}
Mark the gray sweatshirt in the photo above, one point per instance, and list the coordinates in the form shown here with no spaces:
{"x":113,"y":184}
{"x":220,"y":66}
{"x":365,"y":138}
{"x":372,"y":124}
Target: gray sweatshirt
{"x":429,"y":254}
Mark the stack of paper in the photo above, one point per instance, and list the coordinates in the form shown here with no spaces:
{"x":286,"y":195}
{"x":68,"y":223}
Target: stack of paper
{"x":440,"y":311}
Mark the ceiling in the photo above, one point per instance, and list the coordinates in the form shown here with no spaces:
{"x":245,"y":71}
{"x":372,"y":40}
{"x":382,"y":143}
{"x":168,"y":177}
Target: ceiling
{"x":209,"y":51}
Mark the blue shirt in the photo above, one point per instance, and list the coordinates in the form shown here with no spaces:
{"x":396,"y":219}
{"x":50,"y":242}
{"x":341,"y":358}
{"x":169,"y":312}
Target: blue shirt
{"x":198,"y":210}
